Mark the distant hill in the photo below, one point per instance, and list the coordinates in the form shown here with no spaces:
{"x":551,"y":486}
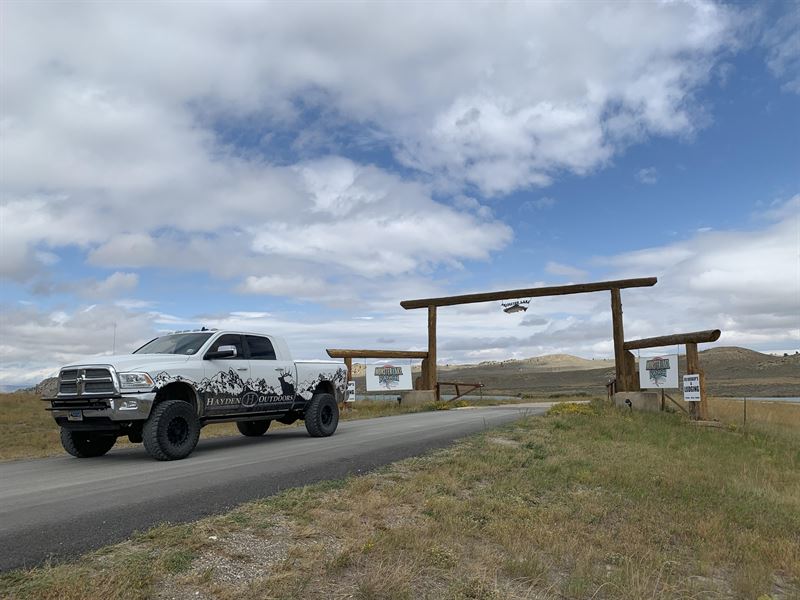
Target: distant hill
{"x":730,"y":371}
{"x":549,"y":362}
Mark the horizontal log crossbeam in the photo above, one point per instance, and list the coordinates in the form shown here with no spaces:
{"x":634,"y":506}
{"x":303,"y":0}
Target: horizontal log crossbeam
{"x":558,"y":290}
{"x":693,"y":337}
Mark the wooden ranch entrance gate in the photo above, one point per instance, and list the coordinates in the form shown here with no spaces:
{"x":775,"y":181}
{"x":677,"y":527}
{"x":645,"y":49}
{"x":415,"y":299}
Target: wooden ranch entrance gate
{"x":625,"y":369}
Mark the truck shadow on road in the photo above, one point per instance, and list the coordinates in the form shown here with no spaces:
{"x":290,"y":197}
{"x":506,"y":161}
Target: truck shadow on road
{"x":128,"y":454}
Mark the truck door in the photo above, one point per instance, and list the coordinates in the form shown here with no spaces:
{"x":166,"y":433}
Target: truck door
{"x":272,"y":378}
{"x":227,"y":380}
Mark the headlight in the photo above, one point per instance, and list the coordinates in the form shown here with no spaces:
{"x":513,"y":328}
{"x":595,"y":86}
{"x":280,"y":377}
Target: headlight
{"x":135,"y":381}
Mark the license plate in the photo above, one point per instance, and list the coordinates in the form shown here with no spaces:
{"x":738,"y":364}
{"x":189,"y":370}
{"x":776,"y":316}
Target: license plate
{"x":75,"y":415}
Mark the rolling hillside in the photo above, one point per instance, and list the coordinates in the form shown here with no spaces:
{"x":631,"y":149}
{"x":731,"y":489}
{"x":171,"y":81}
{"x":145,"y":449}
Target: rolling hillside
{"x":730,"y":371}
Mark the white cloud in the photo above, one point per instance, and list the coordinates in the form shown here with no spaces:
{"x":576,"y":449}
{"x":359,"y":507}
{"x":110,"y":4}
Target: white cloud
{"x":746,"y":283}
{"x":648,"y":175}
{"x":542,"y":203}
{"x":114,"y":285}
{"x":378,"y":225}
{"x":35,"y":342}
{"x":556,"y":268}
{"x":782,"y":41}
{"x":120,"y":121}
{"x":501,"y":97}
{"x":119,"y":147}
{"x":277,"y":285}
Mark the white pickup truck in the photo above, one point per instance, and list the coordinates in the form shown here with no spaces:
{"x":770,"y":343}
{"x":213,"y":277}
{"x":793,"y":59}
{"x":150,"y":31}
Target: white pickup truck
{"x":168,"y":389}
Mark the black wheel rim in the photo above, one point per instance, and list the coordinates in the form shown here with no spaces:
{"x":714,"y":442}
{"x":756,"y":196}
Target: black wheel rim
{"x":326,"y":416}
{"x":177,"y":431}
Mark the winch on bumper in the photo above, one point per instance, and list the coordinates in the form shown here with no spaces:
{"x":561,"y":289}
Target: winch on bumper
{"x":108,"y":414}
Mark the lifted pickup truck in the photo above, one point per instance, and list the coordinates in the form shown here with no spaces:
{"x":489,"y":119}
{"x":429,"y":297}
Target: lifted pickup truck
{"x":168,"y":389}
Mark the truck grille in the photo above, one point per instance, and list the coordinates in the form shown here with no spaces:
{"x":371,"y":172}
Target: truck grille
{"x":90,"y":381}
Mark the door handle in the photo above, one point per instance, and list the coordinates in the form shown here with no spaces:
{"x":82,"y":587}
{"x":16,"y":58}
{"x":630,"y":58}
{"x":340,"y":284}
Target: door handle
{"x":241,"y":368}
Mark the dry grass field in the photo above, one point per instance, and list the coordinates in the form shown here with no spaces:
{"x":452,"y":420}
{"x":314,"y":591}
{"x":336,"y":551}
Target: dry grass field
{"x":588,"y":502}
{"x":760,"y":414}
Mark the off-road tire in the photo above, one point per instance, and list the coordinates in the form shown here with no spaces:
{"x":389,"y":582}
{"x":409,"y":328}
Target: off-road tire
{"x":322,"y":415}
{"x":172,"y":430}
{"x":86,"y":444}
{"x":252,"y":428}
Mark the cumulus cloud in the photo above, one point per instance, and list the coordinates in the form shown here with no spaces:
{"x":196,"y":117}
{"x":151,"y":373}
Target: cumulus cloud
{"x":140,"y":166}
{"x":556,"y":268}
{"x":35,"y":341}
{"x":539,"y":204}
{"x":114,"y":285}
{"x":648,"y":175}
{"x":278,"y":285}
{"x":782,"y":42}
{"x":231,"y":142}
{"x":745,"y":282}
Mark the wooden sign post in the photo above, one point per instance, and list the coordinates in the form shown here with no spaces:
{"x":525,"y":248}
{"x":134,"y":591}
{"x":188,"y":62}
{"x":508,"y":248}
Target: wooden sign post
{"x":698,"y":410}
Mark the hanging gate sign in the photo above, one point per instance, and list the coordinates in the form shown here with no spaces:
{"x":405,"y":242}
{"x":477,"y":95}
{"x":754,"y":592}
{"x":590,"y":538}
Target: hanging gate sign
{"x":691,"y":388}
{"x":388,"y":377}
{"x":659,"y":372}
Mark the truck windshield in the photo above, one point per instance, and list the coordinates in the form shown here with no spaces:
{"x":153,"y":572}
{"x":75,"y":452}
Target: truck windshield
{"x":176,"y":343}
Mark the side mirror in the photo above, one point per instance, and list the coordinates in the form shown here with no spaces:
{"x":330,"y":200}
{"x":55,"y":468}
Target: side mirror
{"x":221,"y":352}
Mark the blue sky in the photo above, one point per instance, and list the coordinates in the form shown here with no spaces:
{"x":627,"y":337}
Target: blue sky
{"x":301,"y":169}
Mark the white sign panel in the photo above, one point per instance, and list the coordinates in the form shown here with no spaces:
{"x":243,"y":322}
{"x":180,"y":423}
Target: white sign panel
{"x":351,"y":391}
{"x":659,"y":372}
{"x":388,"y":377}
{"x":691,"y":388}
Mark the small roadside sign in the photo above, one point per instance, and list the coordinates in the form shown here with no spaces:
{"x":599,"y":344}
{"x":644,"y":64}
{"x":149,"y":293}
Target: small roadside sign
{"x":691,"y":388}
{"x":351,"y":391}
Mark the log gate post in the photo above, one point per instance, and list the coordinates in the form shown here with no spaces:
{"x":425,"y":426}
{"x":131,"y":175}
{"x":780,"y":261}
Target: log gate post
{"x":432,"y":375}
{"x":348,"y":364}
{"x":699,"y":410}
{"x":619,"y":340}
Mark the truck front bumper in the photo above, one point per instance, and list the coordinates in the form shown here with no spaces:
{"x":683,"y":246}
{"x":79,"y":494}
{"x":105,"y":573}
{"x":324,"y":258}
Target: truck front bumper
{"x":126,"y":407}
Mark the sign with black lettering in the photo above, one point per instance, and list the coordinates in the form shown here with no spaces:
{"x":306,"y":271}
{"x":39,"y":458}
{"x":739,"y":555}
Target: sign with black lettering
{"x":691,"y":388}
